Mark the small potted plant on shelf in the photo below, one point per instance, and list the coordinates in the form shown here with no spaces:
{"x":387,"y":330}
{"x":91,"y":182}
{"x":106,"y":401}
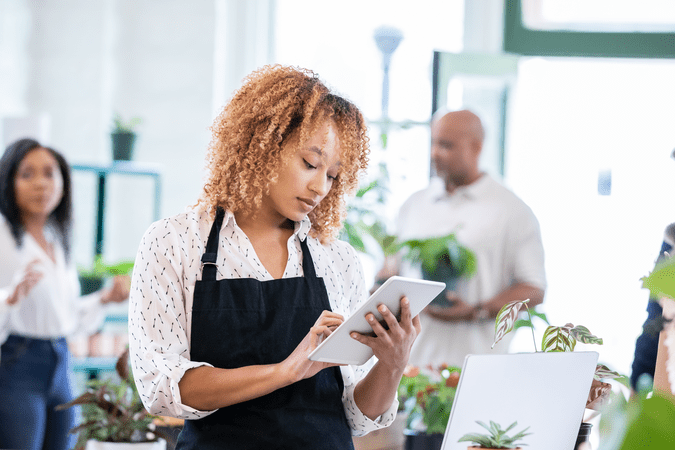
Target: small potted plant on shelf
{"x":426,"y":396}
{"x":92,"y":279}
{"x":496,"y":438}
{"x":442,"y":258}
{"x":112,"y":414}
{"x":123,"y":137}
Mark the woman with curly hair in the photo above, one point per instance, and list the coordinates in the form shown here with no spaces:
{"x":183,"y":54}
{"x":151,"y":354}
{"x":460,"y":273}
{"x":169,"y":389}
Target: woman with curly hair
{"x":230,"y":298}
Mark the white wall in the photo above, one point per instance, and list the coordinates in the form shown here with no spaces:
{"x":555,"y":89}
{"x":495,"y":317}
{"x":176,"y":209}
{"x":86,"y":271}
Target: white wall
{"x":171,"y":62}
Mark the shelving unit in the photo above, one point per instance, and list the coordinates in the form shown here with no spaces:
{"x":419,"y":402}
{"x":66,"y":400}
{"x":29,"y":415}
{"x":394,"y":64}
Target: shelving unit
{"x":124,"y":168}
{"x":93,"y":366}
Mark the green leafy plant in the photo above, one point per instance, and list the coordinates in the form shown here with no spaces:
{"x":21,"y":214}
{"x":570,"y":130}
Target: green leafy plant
{"x":445,"y":250}
{"x":496,"y":437}
{"x":647,"y":419}
{"x":112,"y":410}
{"x":427,"y":396}
{"x":92,"y":278}
{"x":101,"y":270}
{"x":556,"y":338}
{"x":122,"y":126}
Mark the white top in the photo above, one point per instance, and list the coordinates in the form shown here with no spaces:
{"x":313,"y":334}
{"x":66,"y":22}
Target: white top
{"x":668,"y":305}
{"x":503,"y":233}
{"x":53,"y":308}
{"x":160,"y":304}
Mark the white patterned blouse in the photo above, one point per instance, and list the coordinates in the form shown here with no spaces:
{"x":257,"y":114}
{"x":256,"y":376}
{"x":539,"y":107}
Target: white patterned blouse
{"x":160,"y":304}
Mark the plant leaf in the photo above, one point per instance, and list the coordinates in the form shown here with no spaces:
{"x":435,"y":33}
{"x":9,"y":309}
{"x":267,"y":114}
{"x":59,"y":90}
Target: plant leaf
{"x":661,"y":281}
{"x":506,"y":318}
{"x":604,"y":372}
{"x":583,"y":335}
{"x":558,"y":339}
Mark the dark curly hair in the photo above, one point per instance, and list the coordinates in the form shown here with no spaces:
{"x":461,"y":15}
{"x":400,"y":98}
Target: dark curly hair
{"x":246,"y":149}
{"x":60,"y":218}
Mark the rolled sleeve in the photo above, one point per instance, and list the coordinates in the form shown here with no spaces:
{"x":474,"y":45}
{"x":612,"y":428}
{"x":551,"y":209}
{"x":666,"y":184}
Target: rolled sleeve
{"x":359,"y":423}
{"x":158,"y":332}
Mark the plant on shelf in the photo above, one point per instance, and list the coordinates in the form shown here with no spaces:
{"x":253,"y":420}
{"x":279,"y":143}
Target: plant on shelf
{"x":496,"y":438}
{"x":123,"y":137}
{"x":92,"y":278}
{"x":426,"y":396}
{"x":112,"y":411}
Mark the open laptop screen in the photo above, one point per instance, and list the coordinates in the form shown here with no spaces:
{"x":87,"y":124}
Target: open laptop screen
{"x":544,"y":391}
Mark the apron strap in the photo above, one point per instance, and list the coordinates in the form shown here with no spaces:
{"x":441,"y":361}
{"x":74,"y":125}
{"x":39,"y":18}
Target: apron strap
{"x":211,"y":254}
{"x":307,"y":261}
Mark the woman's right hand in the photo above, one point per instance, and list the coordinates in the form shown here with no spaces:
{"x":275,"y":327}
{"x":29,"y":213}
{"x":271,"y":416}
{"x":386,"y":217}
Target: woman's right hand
{"x":297,"y":365}
{"x":30,"y":278}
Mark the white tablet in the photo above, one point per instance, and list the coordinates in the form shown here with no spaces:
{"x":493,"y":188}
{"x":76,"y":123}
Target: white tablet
{"x":341,"y":348}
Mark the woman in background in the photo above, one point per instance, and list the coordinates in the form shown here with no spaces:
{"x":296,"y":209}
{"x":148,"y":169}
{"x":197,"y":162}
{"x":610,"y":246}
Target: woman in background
{"x":39,"y":298}
{"x":230,"y":298}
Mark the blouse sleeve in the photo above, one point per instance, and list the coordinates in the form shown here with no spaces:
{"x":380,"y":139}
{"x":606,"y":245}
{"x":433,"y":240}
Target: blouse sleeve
{"x":158,"y":332}
{"x":355,"y":290}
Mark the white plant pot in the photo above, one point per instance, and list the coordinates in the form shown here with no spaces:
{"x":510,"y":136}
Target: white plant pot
{"x":98,"y":445}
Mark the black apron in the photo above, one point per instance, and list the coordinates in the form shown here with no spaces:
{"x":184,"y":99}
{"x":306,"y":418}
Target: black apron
{"x":243,"y":322}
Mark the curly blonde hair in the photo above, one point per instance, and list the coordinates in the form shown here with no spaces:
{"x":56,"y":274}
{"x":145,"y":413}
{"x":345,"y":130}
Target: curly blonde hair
{"x":246,"y":149}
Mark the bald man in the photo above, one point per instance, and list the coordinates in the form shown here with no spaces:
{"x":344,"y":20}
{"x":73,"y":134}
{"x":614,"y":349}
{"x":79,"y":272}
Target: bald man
{"x":487,"y":218}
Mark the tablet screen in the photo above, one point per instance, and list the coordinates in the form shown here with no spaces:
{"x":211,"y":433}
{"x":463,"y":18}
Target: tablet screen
{"x":341,"y":348}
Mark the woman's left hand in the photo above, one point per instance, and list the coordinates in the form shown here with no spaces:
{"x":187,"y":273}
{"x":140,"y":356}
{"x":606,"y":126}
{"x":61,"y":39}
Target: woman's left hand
{"x":119,"y":291}
{"x":392,"y":345}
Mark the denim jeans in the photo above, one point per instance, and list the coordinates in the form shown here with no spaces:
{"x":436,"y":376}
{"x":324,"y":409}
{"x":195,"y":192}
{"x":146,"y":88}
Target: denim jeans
{"x":34,"y":378}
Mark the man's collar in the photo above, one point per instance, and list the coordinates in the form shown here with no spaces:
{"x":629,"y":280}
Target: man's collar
{"x":472,"y":190}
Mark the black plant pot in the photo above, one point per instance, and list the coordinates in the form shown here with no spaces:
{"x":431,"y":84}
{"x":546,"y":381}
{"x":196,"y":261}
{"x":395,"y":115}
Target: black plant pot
{"x":90,"y":284}
{"x":123,"y":145}
{"x":444,"y":273}
{"x":584,"y":434}
{"x":422,"y":441}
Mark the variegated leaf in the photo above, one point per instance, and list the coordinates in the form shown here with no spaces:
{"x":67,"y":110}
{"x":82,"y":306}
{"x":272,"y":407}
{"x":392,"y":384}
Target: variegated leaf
{"x":506,"y":318}
{"x":583,"y":335}
{"x":604,"y":372}
{"x":558,"y":339}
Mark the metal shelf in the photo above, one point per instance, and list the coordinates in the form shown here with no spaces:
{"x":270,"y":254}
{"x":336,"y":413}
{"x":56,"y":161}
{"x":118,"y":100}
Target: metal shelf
{"x":124,"y":168}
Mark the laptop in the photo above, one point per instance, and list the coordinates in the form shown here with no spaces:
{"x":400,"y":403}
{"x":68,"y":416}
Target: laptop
{"x":544,"y":391}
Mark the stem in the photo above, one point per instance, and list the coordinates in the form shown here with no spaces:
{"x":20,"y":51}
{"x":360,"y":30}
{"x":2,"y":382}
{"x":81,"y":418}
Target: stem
{"x":534,"y":341}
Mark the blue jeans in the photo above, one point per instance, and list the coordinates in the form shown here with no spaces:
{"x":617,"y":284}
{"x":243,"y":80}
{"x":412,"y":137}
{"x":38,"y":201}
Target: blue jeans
{"x":34,"y":378}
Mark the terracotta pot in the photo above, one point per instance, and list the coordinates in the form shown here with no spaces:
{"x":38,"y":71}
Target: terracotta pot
{"x":483,"y":448}
{"x":98,"y":445}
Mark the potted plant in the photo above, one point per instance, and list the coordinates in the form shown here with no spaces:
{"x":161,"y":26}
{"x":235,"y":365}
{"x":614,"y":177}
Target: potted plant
{"x":92,"y":279}
{"x":442,"y":258}
{"x":113,"y":415}
{"x":561,"y":339}
{"x":123,"y":137}
{"x":426,"y":396}
{"x":496,"y":438}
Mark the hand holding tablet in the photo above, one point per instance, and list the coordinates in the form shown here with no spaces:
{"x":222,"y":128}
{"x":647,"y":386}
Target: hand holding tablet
{"x":341,"y":348}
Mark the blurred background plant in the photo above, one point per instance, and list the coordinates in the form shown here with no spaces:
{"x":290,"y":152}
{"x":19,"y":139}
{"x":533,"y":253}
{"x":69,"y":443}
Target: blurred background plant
{"x":426,"y":396}
{"x":647,"y":418}
{"x":112,"y":410}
